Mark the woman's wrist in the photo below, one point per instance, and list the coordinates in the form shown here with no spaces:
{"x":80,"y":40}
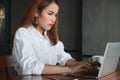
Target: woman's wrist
{"x":67,"y":70}
{"x":71,"y":62}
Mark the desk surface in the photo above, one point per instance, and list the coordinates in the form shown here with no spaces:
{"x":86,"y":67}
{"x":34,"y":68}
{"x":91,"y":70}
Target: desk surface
{"x":112,"y":76}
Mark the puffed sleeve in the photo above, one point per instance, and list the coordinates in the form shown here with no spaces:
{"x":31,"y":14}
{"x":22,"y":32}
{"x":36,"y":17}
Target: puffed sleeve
{"x":63,"y":56}
{"x":24,"y":54}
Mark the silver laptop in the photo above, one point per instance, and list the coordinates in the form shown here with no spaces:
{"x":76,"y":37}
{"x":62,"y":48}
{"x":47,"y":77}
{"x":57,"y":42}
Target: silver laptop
{"x":111,"y":58}
{"x":110,"y":61}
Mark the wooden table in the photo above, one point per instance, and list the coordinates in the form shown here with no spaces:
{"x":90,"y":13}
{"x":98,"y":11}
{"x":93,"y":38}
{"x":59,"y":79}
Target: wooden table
{"x":112,"y":76}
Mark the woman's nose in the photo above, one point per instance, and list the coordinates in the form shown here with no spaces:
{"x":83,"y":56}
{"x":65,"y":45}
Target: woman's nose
{"x":53,"y":19}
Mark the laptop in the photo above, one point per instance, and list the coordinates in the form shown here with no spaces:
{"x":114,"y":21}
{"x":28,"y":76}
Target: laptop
{"x":109,"y":64}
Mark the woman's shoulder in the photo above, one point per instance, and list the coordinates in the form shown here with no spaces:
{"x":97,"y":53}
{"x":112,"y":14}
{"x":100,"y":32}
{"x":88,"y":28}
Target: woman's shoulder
{"x":24,"y":29}
{"x":60,"y":44}
{"x":22,"y":32}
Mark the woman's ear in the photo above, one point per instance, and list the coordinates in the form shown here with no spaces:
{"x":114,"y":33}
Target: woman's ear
{"x":36,"y":14}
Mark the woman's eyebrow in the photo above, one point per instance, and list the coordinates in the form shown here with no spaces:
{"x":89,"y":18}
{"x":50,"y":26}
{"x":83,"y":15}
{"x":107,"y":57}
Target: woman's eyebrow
{"x":52,"y":11}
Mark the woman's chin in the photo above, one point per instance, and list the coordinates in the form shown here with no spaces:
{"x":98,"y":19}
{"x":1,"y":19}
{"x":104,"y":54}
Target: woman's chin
{"x":48,"y":29}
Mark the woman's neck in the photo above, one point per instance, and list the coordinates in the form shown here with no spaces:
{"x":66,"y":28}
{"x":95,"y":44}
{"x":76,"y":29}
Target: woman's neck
{"x":41,"y":30}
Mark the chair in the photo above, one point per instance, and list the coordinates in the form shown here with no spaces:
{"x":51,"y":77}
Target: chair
{"x":7,"y":62}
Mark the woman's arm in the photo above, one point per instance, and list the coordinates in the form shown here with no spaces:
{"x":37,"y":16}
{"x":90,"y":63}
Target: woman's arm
{"x":71,"y":66}
{"x":55,"y":69}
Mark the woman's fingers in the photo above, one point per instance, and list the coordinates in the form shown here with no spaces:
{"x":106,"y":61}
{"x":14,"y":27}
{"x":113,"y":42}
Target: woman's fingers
{"x":86,"y":66}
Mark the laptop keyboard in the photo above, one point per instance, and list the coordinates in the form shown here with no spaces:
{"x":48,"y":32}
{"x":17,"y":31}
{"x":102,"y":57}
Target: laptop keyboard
{"x":94,"y":74}
{"x":85,"y":74}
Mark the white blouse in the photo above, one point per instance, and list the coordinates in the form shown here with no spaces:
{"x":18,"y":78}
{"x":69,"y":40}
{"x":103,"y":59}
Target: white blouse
{"x":32,"y":51}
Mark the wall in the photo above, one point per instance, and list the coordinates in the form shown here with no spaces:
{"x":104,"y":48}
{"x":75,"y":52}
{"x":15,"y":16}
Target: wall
{"x":18,"y":8}
{"x":101,"y":24}
{"x":70,"y":24}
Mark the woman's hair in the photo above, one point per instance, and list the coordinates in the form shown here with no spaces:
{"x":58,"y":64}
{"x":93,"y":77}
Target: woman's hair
{"x":29,"y":18}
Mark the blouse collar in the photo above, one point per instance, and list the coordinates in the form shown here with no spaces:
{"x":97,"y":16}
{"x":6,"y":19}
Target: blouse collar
{"x":38,"y":33}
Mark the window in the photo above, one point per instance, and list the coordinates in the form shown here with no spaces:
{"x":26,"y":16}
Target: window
{"x":4,"y":27}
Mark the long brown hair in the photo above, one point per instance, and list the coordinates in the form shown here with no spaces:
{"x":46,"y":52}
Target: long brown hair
{"x":29,"y":18}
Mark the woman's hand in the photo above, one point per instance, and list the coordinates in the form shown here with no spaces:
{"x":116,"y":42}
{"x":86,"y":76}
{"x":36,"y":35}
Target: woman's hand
{"x":76,"y":66}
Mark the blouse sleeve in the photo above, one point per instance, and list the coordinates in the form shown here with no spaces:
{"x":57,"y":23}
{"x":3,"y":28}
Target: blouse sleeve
{"x":63,"y":56}
{"x":24,"y":54}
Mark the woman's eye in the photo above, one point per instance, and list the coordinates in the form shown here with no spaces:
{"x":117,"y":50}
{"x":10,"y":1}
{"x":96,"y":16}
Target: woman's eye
{"x":50,"y":13}
{"x":56,"y":15}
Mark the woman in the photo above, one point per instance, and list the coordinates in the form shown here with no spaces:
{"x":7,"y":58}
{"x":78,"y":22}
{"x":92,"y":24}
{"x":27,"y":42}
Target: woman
{"x":36,"y":47}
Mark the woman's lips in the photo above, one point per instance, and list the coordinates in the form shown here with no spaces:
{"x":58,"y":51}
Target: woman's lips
{"x":51,"y":25}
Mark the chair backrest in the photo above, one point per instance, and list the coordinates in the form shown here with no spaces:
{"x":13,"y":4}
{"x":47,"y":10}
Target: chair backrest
{"x":7,"y":62}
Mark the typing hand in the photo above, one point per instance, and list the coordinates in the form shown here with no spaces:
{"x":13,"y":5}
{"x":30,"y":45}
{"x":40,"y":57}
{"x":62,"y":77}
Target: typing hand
{"x":77,"y":66}
{"x":82,"y":67}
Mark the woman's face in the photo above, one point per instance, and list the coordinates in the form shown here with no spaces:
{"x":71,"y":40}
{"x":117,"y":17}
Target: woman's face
{"x":47,"y":18}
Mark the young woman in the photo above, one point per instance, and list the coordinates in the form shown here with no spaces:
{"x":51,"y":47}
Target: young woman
{"x":36,"y":47}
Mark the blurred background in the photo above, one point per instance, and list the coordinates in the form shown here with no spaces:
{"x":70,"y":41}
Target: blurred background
{"x":85,"y":26}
